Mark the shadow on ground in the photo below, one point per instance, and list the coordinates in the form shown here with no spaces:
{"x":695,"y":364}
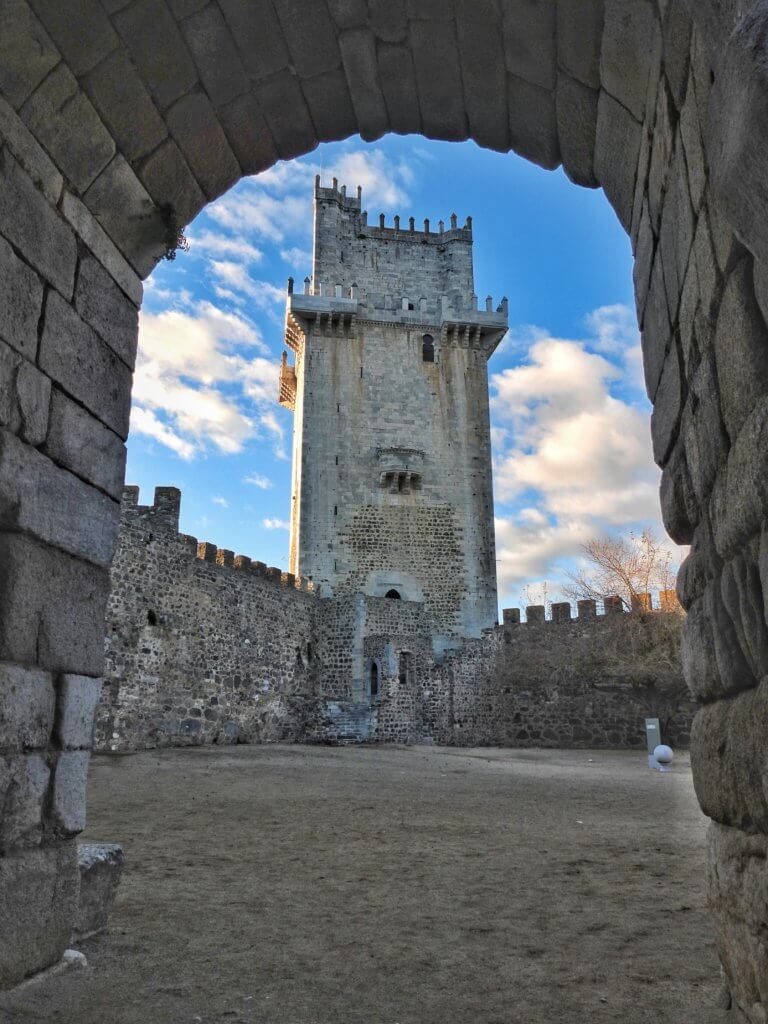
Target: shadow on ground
{"x":307,"y":885}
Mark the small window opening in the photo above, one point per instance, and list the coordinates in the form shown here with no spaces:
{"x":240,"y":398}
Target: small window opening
{"x":151,"y":618}
{"x":428,"y":348}
{"x":410,"y":306}
{"x":401,"y":482}
{"x":393,"y":594}
{"x":337,"y":460}
{"x":374,"y":679}
{"x":335,"y":510}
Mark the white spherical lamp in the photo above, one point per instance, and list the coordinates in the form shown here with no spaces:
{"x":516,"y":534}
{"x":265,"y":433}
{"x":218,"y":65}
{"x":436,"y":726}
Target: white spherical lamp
{"x":663,"y":753}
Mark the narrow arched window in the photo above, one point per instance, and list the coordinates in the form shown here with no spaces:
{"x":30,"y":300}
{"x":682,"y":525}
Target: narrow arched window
{"x":428,"y":348}
{"x":405,"y":668}
{"x":394,"y":594}
{"x":374,"y":679}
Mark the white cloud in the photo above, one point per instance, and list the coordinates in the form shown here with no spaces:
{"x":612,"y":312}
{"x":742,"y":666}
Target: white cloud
{"x":143,"y":421}
{"x":199,"y":381}
{"x":275,"y":524}
{"x":218,"y":500}
{"x":237,"y":279}
{"x":577,"y":456}
{"x":297,"y":257}
{"x":262,"y":482}
{"x":211,"y":243}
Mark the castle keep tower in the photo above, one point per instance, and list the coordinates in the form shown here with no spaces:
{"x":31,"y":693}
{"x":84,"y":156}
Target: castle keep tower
{"x":391,"y":491}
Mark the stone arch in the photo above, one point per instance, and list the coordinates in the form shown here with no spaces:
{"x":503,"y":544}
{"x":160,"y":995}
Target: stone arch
{"x":120,"y":119}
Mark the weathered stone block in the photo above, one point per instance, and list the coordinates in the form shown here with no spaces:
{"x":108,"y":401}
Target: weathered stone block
{"x":388,"y":19}
{"x":21,"y":298}
{"x":61,"y":116}
{"x":124,"y":209}
{"x":708,"y":632}
{"x":38,"y":903}
{"x":667,"y":407}
{"x":435,"y":58}
{"x":627,"y":52}
{"x":75,"y":356}
{"x":125,"y":106}
{"x":215,"y":54}
{"x":645,"y":248}
{"x":706,"y":445}
{"x":78,"y":699}
{"x":69,"y":785}
{"x":53,"y":505}
{"x":330,"y":105}
{"x":311,"y":36}
{"x":740,"y":494}
{"x":741,"y":349}
{"x":248,"y":133}
{"x":157,"y":49}
{"x":168,"y":179}
{"x":576,"y":106}
{"x":398,"y":83}
{"x":27,"y":703}
{"x":677,"y":228}
{"x":742,"y":594}
{"x":529,"y":41}
{"x":358,"y":53}
{"x":84,"y":445}
{"x":690,"y":130}
{"x":195,"y":127}
{"x":83,"y":34}
{"x":24,"y":396}
{"x":101,"y":868}
{"x":661,"y":152}
{"x":30,"y":154}
{"x":579,"y":33}
{"x":679,"y":509}
{"x":103,"y":305}
{"x":27,"y":52}
{"x":738,"y":897}
{"x":258,"y":35}
{"x":656,"y":328}
{"x":51,"y":607}
{"x":482,"y":73}
{"x":105,"y":251}
{"x":533,"y":122}
{"x":31,"y":224}
{"x":348,"y":13}
{"x":23,"y":786}
{"x":617,"y":151}
{"x":286,"y":114}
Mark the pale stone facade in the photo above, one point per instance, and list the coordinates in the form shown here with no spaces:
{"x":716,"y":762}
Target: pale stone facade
{"x":391,"y":484}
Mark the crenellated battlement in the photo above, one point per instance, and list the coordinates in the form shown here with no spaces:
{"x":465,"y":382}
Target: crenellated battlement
{"x":163,"y":515}
{"x":586,"y":610}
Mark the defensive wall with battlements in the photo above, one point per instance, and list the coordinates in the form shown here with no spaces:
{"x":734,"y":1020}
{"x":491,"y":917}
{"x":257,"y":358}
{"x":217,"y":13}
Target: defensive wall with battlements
{"x":206,"y":646}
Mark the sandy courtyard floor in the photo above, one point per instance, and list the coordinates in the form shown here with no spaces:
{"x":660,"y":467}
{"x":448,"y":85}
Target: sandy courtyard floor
{"x":301,"y":885}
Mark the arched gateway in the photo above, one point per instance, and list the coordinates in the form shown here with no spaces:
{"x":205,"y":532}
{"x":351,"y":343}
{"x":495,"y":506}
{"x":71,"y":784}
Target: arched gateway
{"x":120,"y":119}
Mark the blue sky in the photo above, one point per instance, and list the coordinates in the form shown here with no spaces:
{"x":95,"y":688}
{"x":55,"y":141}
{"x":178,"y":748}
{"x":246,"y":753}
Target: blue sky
{"x":570,"y":419}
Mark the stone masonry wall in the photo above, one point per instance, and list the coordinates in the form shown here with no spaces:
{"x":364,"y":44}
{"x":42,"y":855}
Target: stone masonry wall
{"x":202,"y":646}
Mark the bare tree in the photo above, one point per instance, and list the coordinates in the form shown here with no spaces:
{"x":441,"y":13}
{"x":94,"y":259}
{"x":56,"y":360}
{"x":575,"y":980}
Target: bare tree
{"x":625,"y":567}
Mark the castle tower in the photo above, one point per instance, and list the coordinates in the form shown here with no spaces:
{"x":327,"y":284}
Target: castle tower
{"x":391,"y":492}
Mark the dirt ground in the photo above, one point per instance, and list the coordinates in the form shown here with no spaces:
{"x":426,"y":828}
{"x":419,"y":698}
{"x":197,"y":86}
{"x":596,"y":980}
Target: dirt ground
{"x":308,"y":885}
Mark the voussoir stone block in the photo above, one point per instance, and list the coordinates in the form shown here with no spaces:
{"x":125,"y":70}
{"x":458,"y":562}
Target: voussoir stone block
{"x":533,"y":122}
{"x":106,"y":308}
{"x":167,"y":177}
{"x":83,"y":32}
{"x":706,"y":445}
{"x":577,"y":129}
{"x":39,"y":498}
{"x":330,"y":105}
{"x":21,"y":299}
{"x":738,"y":898}
{"x":27,"y":52}
{"x":195,"y":127}
{"x":656,"y":327}
{"x":617,"y":151}
{"x":388,"y":19}
{"x":680,"y":511}
{"x":81,"y":443}
{"x":74,"y":356}
{"x":398,"y":84}
{"x":34,"y":227}
{"x":69,"y":786}
{"x":627,"y":51}
{"x":358,"y":53}
{"x":24,"y":396}
{"x":677,"y":228}
{"x":23,"y":787}
{"x":101,"y":868}
{"x":579,"y":34}
{"x":740,"y":494}
{"x":667,"y":407}
{"x":729,"y":759}
{"x":714,"y":664}
{"x":482,"y":73}
{"x":741,"y":349}
{"x":215,"y":54}
{"x":258,"y":35}
{"x":38,"y":903}
{"x":27,"y":704}
{"x":248,"y":134}
{"x":78,"y":699}
{"x":62,"y":117}
{"x":528,"y":33}
{"x":285,"y":111}
{"x":435,"y":58}
{"x":157,"y":49}
{"x":742,"y":593}
{"x":125,"y":105}
{"x":51,"y":607}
